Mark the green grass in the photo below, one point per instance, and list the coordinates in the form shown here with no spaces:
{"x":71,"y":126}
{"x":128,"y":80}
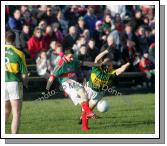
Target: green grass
{"x":131,"y":114}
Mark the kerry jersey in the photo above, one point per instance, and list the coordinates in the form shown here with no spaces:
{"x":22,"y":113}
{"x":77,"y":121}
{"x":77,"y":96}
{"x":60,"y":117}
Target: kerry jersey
{"x":15,"y":64}
{"x":98,"y":78}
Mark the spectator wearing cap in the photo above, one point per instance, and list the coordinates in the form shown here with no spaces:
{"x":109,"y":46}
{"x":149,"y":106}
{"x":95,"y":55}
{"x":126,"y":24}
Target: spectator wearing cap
{"x":90,"y":19}
{"x":36,"y":43}
{"x":70,"y":39}
{"x":81,"y":25}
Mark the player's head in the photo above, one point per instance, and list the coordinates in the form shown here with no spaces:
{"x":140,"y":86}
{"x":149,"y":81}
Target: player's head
{"x":69,"y":55}
{"x":10,"y":37}
{"x":106,"y":65}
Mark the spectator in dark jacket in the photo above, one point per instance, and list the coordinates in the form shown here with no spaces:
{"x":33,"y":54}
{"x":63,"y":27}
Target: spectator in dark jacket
{"x":114,"y":54}
{"x":128,"y":34}
{"x":15,"y":24}
{"x":96,"y":34}
{"x":70,"y":39}
{"x":138,"y":19}
{"x":35,"y":43}
{"x":24,"y":37}
{"x":142,"y":42}
{"x":93,"y":51}
{"x":50,"y":18}
{"x":81,"y":26}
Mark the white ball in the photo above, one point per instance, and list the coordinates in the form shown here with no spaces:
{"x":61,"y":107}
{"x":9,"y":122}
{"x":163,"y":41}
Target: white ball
{"x":102,"y":106}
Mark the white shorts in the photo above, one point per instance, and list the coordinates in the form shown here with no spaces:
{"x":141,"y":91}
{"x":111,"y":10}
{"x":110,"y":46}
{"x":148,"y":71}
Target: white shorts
{"x":71,"y":87}
{"x":93,"y":95}
{"x":13,"y":90}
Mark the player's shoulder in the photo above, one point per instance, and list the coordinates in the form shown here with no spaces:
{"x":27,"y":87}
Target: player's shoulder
{"x":60,"y":61}
{"x":15,"y":50}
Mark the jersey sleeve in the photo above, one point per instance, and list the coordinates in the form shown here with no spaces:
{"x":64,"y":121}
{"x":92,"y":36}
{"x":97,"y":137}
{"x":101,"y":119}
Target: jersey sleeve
{"x":22,"y":64}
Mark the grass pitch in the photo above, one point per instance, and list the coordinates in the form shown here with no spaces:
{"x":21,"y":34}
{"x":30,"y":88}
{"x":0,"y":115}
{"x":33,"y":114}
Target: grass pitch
{"x":131,"y":114}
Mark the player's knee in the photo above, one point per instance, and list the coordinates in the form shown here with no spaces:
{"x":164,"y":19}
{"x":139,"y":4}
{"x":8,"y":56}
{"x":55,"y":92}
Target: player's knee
{"x":16,"y":113}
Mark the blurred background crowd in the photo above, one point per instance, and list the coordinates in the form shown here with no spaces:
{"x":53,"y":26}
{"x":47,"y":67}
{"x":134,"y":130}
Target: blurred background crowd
{"x":43,"y":32}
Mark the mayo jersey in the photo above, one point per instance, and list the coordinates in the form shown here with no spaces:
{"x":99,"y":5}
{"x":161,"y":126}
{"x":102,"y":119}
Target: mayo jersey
{"x":15,"y":64}
{"x":65,"y":71}
{"x":98,"y":78}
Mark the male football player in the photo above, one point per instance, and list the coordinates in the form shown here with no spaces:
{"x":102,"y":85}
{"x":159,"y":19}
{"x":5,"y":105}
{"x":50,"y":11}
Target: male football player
{"x":102,"y":77}
{"x":65,"y":72}
{"x":15,"y":74}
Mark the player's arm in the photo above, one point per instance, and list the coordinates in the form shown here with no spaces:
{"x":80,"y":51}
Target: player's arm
{"x":23,"y":70}
{"x":50,"y":81}
{"x":56,"y":72}
{"x":122,"y":69}
{"x":25,"y":79}
{"x":101,"y":55}
{"x":90,"y":64}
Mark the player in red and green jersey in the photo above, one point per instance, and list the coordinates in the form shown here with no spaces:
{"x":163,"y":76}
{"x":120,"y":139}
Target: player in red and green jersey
{"x":15,"y":73}
{"x":65,"y":72}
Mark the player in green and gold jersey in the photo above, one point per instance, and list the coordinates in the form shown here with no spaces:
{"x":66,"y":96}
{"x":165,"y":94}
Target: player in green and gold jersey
{"x":15,"y":73}
{"x":101,"y":77}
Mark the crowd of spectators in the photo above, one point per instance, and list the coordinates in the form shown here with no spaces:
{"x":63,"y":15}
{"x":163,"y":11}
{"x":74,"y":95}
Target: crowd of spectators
{"x":43,"y":32}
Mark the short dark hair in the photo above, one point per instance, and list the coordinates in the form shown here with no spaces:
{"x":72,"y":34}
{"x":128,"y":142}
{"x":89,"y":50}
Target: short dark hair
{"x":68,"y":51}
{"x":10,"y":36}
